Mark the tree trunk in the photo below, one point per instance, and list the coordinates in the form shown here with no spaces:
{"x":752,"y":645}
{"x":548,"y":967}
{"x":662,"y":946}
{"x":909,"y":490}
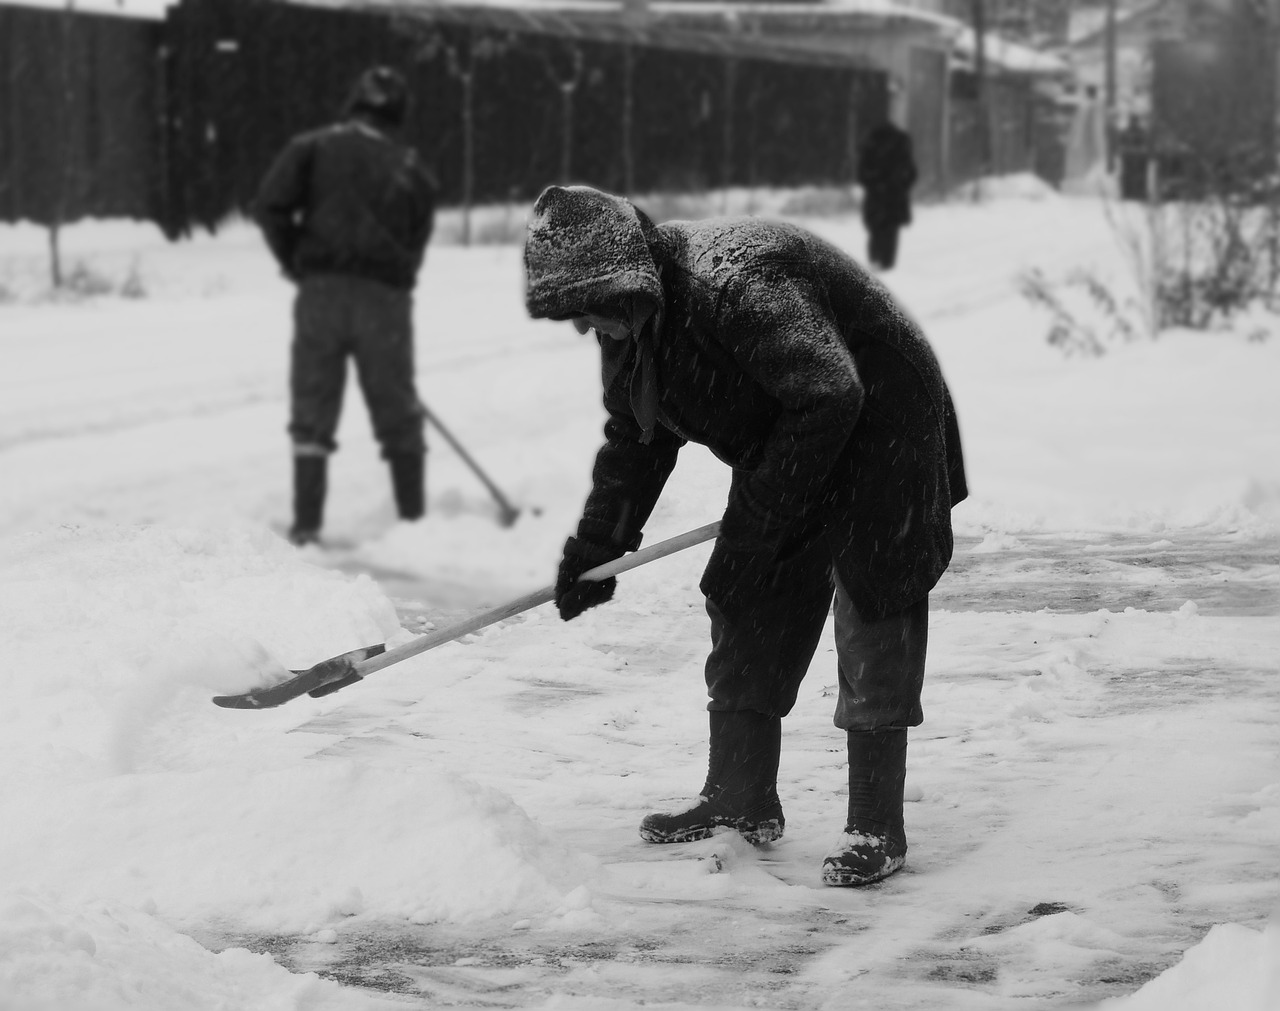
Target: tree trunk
{"x":983,"y":108}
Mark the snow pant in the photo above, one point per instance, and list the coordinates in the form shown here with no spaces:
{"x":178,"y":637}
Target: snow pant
{"x":882,"y":245}
{"x":336,"y":317}
{"x":763,"y":640}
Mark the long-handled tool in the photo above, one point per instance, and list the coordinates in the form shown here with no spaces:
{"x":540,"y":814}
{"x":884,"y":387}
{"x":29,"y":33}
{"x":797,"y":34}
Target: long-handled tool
{"x":507,"y":513}
{"x":348,"y":668}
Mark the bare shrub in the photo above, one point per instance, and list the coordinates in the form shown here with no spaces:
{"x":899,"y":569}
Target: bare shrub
{"x":1086,"y":316}
{"x":1205,"y":253}
{"x":1197,"y":262}
{"x":133,"y":286}
{"x":84,"y":281}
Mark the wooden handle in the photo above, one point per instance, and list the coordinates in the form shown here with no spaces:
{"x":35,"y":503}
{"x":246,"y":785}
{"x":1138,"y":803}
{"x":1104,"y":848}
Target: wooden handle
{"x":509,"y":511}
{"x":531,"y":600}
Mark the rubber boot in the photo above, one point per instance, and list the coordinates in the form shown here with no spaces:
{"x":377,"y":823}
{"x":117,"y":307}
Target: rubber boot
{"x":741,"y":791}
{"x":408,"y":481}
{"x":310,"y":484}
{"x":874,"y":843}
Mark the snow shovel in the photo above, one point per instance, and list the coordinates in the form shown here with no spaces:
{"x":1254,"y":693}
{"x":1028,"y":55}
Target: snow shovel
{"x":348,"y":668}
{"x":507,"y":513}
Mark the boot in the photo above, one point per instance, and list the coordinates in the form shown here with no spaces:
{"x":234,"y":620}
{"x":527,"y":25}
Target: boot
{"x":874,"y":843}
{"x":408,"y":481}
{"x":741,"y":791}
{"x":310,"y":483}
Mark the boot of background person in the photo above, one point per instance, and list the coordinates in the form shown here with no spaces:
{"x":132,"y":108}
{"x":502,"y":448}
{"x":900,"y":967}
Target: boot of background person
{"x":874,"y":843}
{"x":741,"y":791}
{"x":310,"y":484}
{"x":408,"y":481}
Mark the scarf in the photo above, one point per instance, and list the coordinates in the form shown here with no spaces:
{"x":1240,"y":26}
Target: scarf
{"x":637,"y":352}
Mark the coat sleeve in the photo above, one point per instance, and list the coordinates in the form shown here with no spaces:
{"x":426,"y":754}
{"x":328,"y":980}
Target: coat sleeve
{"x":628,"y":475}
{"x":282,"y":199}
{"x":781,"y":334}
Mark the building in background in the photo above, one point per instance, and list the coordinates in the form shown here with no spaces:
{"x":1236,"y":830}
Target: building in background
{"x":174,"y":116}
{"x":1214,"y":99}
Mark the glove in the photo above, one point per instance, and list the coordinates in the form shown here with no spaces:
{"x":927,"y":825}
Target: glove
{"x":574,"y":597}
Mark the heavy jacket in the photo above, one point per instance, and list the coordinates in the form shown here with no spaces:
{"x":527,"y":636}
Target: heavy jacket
{"x":887,"y":171}
{"x":348,"y":199}
{"x":787,"y":360}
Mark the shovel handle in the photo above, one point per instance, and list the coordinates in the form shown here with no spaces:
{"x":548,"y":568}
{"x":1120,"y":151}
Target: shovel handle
{"x":509,"y":512}
{"x":531,"y":600}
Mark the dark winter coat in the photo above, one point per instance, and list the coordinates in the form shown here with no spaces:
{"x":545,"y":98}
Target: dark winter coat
{"x":349,"y":200}
{"x":887,"y":171}
{"x":783,"y":356}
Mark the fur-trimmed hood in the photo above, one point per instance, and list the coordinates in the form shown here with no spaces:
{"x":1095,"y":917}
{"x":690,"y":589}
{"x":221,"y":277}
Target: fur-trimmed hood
{"x":586,"y":249}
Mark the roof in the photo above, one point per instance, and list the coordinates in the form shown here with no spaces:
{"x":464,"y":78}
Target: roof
{"x":148,"y":10}
{"x":1008,"y":56}
{"x":695,"y":25}
{"x":730,"y":10}
{"x":1088,"y":27}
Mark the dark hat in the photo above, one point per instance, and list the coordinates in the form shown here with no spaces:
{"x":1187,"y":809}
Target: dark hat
{"x":382,"y":93}
{"x":586,"y":249}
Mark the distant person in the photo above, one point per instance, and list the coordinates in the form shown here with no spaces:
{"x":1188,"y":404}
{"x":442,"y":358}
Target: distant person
{"x":1085,"y":167}
{"x":347,"y":211}
{"x":887,"y":171}
{"x":797,"y":369}
{"x":1135,"y":159}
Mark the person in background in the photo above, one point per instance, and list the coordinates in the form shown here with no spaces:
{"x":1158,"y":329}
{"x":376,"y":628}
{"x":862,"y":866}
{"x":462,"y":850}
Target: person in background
{"x":887,"y":171}
{"x":347,"y":211}
{"x":796,"y":368}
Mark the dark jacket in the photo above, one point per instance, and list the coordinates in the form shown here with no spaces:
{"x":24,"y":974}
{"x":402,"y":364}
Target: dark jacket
{"x":348,"y":199}
{"x":887,"y":171}
{"x":779,"y":353}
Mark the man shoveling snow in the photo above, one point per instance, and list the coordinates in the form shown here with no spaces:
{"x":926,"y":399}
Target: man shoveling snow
{"x":796,"y":368}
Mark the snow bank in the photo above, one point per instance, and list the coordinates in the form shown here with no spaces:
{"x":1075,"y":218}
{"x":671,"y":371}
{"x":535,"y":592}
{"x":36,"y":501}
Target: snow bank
{"x":132,"y":779}
{"x":103,"y":957}
{"x":1016,"y":186}
{"x":1233,"y":967}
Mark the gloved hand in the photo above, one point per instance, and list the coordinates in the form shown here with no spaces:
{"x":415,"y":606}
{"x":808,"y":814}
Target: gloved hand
{"x":574,"y":597}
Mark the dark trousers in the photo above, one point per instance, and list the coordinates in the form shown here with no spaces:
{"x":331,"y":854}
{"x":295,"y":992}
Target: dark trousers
{"x":882,"y":245}
{"x":336,"y":318}
{"x":763,"y":641}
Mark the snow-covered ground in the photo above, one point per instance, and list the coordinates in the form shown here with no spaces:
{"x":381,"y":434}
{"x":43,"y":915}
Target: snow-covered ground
{"x":1095,"y":793}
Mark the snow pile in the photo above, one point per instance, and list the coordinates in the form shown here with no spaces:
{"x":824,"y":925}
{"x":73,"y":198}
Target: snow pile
{"x":136,"y":787}
{"x":1016,"y":186}
{"x":142,"y":612}
{"x":99,"y":957}
{"x":1233,"y":967}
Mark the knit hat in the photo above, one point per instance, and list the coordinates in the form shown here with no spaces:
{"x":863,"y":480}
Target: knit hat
{"x":586,"y":250}
{"x":382,"y":93}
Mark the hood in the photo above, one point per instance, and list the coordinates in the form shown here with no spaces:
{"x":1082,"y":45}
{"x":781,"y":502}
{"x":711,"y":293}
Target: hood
{"x":586,"y":249}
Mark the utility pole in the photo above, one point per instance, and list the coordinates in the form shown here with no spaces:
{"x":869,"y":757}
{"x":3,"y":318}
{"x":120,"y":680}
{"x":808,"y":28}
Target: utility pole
{"x":1110,"y":83}
{"x":66,"y":142}
{"x":567,"y":85}
{"x":978,"y":12}
{"x":1272,"y":13}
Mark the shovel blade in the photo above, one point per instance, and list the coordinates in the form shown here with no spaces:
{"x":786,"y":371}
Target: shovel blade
{"x":325,"y":677}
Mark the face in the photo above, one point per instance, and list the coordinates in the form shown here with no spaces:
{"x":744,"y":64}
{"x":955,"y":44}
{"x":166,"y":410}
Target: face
{"x":619,"y":331}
